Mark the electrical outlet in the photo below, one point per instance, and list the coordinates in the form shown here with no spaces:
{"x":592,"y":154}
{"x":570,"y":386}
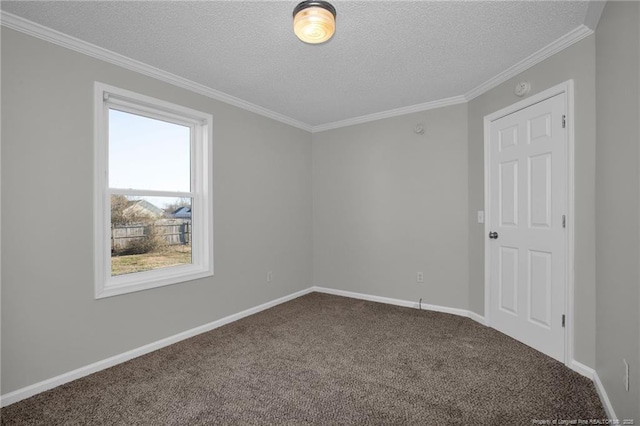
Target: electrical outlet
{"x":420,"y":277}
{"x":626,"y":375}
{"x":269,"y":276}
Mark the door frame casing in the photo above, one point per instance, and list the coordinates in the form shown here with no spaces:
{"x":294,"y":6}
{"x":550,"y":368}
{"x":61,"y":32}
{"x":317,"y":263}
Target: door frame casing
{"x":566,"y":88}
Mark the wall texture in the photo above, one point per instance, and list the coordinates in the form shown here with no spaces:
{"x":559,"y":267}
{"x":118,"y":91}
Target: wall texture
{"x":51,"y":323}
{"x":578,"y":63}
{"x":617,"y":203}
{"x":389,"y":202}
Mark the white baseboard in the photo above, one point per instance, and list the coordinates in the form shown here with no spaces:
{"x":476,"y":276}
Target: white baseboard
{"x":580,"y":368}
{"x":604,"y":398}
{"x":399,"y":302}
{"x":576,"y":366}
{"x":53,"y":382}
{"x":477,"y":317}
{"x":591,"y":374}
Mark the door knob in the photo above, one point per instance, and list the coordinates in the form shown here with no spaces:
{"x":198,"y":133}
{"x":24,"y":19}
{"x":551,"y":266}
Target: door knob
{"x":493,"y":235}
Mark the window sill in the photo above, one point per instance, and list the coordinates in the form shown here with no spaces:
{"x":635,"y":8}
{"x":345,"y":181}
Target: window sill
{"x":139,"y":281}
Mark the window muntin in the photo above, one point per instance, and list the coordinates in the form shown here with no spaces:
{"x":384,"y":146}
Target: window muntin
{"x":153,"y":216}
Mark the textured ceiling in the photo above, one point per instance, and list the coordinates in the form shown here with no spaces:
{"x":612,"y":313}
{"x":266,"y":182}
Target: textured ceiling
{"x":384,"y":55}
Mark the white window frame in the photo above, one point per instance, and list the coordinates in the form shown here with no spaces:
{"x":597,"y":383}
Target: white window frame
{"x":200,"y":123}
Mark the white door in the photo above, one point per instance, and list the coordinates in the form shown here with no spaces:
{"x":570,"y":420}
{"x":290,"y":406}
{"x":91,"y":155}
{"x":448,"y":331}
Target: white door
{"x":528,"y":196}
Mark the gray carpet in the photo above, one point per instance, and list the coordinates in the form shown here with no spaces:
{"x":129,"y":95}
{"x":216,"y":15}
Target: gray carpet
{"x":324,"y":359}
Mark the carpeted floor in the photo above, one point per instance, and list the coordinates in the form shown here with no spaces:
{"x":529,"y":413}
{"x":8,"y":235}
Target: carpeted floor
{"x":324,"y":359}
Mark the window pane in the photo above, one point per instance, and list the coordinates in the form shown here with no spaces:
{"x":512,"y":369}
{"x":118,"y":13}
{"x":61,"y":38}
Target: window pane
{"x":149,"y":233}
{"x":145,"y":153}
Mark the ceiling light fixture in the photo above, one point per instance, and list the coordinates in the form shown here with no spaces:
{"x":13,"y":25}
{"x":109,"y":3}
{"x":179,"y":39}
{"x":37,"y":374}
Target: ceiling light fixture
{"x":314,"y":21}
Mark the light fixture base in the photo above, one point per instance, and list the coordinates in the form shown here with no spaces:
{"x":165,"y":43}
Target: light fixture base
{"x":314,"y":21}
{"x":314,"y":3}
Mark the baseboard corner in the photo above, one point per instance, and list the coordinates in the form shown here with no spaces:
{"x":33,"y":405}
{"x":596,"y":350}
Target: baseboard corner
{"x":582,"y":369}
{"x":604,"y":398}
{"x":477,"y":317}
{"x":592,"y":374}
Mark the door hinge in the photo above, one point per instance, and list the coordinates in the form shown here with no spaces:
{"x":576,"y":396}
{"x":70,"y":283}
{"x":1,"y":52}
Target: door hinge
{"x":564,"y":121}
{"x":564,"y":221}
{"x":563,"y":320}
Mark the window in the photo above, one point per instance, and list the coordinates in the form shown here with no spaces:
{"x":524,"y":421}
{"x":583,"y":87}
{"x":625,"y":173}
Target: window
{"x":153,"y":193}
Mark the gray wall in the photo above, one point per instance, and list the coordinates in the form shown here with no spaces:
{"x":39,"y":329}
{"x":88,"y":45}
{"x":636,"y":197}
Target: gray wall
{"x":389,"y":202}
{"x":578,"y":63}
{"x":386,"y":204}
{"x":617,"y":203}
{"x":51,"y":323}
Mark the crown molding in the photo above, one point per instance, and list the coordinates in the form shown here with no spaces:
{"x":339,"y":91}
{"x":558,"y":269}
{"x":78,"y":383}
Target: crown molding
{"x":551,"y":49}
{"x":25,"y":26}
{"x":391,"y":113}
{"x":594,"y":12}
